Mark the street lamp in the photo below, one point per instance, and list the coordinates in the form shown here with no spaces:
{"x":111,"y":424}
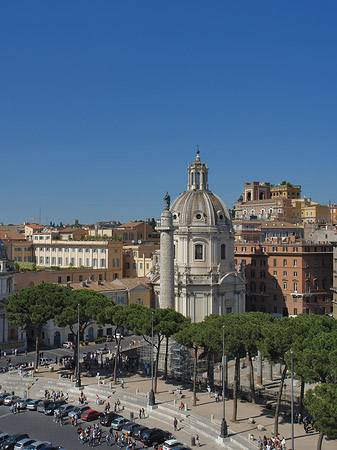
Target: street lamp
{"x":78,"y":377}
{"x":224,"y":430}
{"x":292,"y":401}
{"x":152,"y":400}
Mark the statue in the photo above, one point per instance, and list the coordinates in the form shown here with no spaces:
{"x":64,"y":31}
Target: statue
{"x":167,"y":200}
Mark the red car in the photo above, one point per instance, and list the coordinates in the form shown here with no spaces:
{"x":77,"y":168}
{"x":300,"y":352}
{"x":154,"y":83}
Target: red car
{"x":91,"y":414}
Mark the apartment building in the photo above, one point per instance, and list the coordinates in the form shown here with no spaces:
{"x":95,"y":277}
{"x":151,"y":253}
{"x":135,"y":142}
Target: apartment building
{"x":136,"y":232}
{"x":17,"y":247}
{"x":262,"y":230}
{"x":287,"y":277}
{"x":307,"y":211}
{"x":137,"y":259}
{"x":100,"y":255}
{"x":285,"y":190}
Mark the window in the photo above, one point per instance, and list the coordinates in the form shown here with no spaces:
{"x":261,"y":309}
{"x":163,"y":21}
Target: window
{"x":72,"y":261}
{"x":94,"y":262}
{"x":295,"y":262}
{"x":140,"y":301}
{"x":262,"y":288}
{"x":252,"y":273}
{"x":263,"y":274}
{"x":53,"y":261}
{"x":243,"y":249}
{"x":80,"y":262}
{"x":223,"y":251}
{"x":253,"y":249}
{"x":274,"y":284}
{"x":295,"y":274}
{"x":68,"y":278}
{"x":274,"y":263}
{"x":87,"y":262}
{"x":315,"y":284}
{"x":295,"y":249}
{"x":100,"y":277}
{"x":274,"y":249}
{"x":47,"y":259}
{"x":285,"y":273}
{"x":59,"y":261}
{"x":315,"y":263}
{"x":228,"y":310}
{"x":80,"y":278}
{"x":252,"y":287}
{"x":263,"y":249}
{"x":128,"y":265}
{"x":285,"y":249}
{"x":59,"y":280}
{"x":295,"y":287}
{"x":198,"y":252}
{"x":102,"y":262}
{"x":147,"y":266}
{"x":140,"y":265}
{"x":284,"y":263}
{"x":253,"y":262}
{"x":285,"y":286}
{"x":307,"y":286}
{"x":295,"y":311}
{"x":263,"y":262}
{"x":275,"y":273}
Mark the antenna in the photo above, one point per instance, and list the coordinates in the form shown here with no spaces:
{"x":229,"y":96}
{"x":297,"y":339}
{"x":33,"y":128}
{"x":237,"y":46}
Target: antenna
{"x":40,"y":216}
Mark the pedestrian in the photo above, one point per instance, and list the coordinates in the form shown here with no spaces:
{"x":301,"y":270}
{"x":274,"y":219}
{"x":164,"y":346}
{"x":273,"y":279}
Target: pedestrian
{"x":143,"y":412}
{"x":209,"y":390}
{"x":197,"y":441}
{"x":122,"y":384}
{"x":107,"y":440}
{"x":140,"y":413}
{"x":216,"y":396}
{"x":299,"y":418}
{"x":175,"y":423}
{"x":283,"y":444}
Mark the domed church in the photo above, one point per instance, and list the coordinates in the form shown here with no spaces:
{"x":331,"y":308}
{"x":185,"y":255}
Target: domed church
{"x":196,"y":274}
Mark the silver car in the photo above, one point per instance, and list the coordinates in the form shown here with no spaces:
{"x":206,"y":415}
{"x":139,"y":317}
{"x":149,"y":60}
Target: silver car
{"x":11,"y":399}
{"x":78,"y":411}
{"x":23,"y":443}
{"x":22,"y":403}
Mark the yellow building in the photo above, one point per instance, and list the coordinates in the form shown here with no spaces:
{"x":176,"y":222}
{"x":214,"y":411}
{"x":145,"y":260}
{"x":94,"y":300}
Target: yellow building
{"x":93,"y":254}
{"x":307,"y":211}
{"x":285,"y":190}
{"x":137,"y":259}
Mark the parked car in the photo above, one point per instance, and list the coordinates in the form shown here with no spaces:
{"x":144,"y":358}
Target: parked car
{"x":38,"y":445}
{"x":33,"y":404}
{"x":64,"y":410}
{"x":46,"y":361}
{"x":4,"y":437}
{"x":168,"y":445}
{"x":108,"y":418}
{"x":67,"y":344}
{"x":129,"y":428}
{"x":91,"y":414}
{"x":22,"y":403}
{"x":20,"y":445}
{"x":42,"y":404}
{"x":10,"y":399}
{"x":3,"y":395}
{"x":137,"y":431}
{"x":119,"y":422}
{"x":181,"y":447}
{"x":78,"y":410}
{"x":49,"y":409}
{"x":12,"y":440}
{"x":148,"y":437}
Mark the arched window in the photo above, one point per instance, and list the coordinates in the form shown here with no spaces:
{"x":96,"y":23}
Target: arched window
{"x":198,"y":251}
{"x":223,"y":251}
{"x":249,"y":197}
{"x":140,"y":301}
{"x":198,"y":179}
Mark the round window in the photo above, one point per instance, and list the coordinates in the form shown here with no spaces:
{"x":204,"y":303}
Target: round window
{"x":221,"y":217}
{"x":198,"y":216}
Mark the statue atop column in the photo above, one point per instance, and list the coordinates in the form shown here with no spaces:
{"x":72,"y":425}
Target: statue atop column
{"x":167,"y":200}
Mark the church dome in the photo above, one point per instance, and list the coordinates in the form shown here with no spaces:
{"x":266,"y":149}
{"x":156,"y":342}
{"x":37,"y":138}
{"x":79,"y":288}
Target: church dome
{"x":198,"y":206}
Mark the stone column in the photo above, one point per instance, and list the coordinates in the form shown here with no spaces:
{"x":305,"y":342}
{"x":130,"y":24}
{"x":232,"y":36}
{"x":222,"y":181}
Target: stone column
{"x":166,"y":299}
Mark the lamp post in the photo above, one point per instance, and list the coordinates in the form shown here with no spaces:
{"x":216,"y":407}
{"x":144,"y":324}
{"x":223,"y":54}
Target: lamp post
{"x":292,"y":401}
{"x":224,"y":430}
{"x":152,"y":400}
{"x":78,"y":378}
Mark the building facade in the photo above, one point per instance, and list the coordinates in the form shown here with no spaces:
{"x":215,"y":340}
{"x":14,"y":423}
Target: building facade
{"x":287,"y":277}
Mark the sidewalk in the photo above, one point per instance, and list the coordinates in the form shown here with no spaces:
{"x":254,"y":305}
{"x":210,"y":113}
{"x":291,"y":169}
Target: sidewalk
{"x":206,"y":407}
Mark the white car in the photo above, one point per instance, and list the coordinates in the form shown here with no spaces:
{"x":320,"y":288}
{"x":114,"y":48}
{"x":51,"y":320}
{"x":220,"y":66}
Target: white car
{"x":67,"y":344}
{"x":170,"y":444}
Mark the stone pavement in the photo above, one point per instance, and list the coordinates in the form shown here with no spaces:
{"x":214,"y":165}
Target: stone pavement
{"x":203,"y":418}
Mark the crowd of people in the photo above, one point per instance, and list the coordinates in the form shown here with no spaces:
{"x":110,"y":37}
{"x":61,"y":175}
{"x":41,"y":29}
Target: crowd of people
{"x":276,"y":443}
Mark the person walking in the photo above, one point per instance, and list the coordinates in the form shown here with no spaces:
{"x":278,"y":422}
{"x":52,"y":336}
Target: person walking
{"x":175,"y":423}
{"x":197,"y":441}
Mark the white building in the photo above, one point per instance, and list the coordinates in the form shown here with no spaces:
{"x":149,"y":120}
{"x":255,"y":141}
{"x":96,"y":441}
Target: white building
{"x":205,"y":280}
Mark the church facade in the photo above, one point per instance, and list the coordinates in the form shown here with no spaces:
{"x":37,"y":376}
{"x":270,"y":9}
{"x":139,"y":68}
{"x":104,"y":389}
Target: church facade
{"x":196,"y":274}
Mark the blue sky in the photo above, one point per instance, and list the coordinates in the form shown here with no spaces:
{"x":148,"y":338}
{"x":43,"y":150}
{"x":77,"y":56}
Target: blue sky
{"x":102,"y":103}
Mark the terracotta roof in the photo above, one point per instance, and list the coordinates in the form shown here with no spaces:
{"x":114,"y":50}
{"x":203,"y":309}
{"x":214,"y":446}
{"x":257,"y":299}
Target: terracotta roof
{"x":35,"y":226}
{"x":132,"y":282}
{"x":11,"y":235}
{"x":130,"y":224}
{"x":100,"y":286}
{"x":277,"y":224}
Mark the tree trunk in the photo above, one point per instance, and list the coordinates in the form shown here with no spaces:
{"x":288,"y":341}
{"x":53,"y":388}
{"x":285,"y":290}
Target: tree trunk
{"x":235,"y":389}
{"x":166,"y":357}
{"x":117,"y":359}
{"x":278,"y":403}
{"x":37,"y":347}
{"x":156,"y":365}
{"x":195,"y":376}
{"x":301,"y":397}
{"x":320,"y":440}
{"x":251,"y":378}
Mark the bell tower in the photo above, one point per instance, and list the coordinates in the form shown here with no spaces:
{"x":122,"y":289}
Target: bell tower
{"x":197,"y":175}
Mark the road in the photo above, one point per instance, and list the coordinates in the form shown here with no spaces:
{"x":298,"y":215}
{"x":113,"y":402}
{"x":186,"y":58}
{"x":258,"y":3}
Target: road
{"x":61,"y":352}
